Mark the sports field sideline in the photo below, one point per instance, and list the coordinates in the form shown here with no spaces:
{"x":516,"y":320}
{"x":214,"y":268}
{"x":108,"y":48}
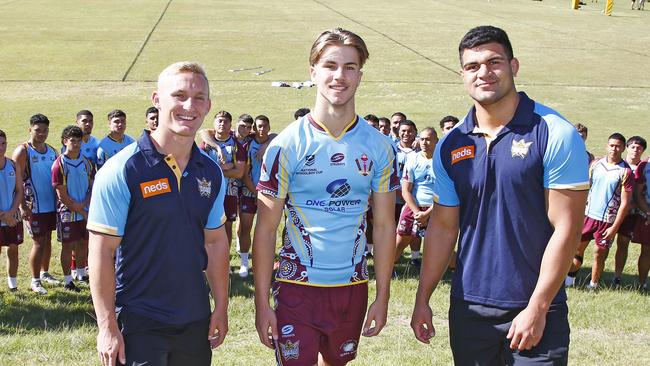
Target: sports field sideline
{"x":60,"y":57}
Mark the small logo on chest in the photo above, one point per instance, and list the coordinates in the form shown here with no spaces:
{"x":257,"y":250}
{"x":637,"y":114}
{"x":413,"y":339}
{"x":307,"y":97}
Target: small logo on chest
{"x":520,"y":148}
{"x":364,"y":165}
{"x":205,"y":187}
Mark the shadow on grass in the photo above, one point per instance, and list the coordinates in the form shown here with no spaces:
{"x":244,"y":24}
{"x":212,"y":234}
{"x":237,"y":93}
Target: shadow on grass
{"x":26,"y":311}
{"x":629,"y":282}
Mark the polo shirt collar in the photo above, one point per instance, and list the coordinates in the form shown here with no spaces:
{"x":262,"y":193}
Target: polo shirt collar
{"x":523,"y":116}
{"x":153,"y":157}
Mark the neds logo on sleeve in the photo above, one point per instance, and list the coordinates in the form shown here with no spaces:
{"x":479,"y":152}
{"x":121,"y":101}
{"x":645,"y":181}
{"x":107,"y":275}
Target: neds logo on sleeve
{"x":155,"y":187}
{"x":462,"y":153}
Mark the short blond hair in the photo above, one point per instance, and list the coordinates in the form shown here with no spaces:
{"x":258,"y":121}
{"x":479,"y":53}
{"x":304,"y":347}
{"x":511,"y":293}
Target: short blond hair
{"x":184,"y":66}
{"x":340,"y":37}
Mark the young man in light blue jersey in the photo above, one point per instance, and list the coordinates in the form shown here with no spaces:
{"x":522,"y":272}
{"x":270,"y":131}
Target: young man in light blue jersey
{"x":72,"y":177}
{"x":116,"y":140}
{"x":11,"y":227}
{"x":512,"y":180}
{"x":89,"y":143}
{"x":34,"y":159}
{"x":609,"y":200}
{"x":321,"y":171}
{"x":417,"y":192}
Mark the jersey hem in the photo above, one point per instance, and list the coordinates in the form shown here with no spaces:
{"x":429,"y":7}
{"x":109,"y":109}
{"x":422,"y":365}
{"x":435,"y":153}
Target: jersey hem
{"x":322,"y":284}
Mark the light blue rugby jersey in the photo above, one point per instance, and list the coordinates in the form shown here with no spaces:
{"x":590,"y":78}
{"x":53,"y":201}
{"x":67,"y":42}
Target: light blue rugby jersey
{"x":108,"y":147}
{"x":7,"y":186}
{"x":256,"y":165}
{"x":607,"y":183}
{"x":418,"y":171}
{"x":326,"y":182}
{"x":76,"y":175}
{"x":39,"y":192}
{"x":402,"y":154}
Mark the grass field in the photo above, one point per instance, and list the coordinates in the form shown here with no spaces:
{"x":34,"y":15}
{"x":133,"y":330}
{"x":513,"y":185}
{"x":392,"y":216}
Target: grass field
{"x":59,"y":57}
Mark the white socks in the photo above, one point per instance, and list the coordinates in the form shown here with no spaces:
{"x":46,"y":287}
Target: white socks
{"x":244,"y":259}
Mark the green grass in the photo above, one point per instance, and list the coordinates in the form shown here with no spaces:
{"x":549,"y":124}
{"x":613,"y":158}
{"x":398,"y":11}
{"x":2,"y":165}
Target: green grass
{"x":59,"y":57}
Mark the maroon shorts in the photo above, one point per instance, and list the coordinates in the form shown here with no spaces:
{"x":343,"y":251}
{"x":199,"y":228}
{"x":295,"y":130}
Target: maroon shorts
{"x":41,"y":224}
{"x":406,"y":226}
{"x":230,"y":207}
{"x":247,"y":202}
{"x":628,"y":225}
{"x":594,"y":229}
{"x":68,"y":232}
{"x":313,"y":320}
{"x":11,"y":235}
{"x":641,"y":234}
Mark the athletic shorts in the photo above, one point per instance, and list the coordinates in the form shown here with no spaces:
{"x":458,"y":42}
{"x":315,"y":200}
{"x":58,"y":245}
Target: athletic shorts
{"x":313,"y":320}
{"x":477,"y":336}
{"x":398,"y":210}
{"x":407,"y":226}
{"x":149,"y":342}
{"x":247,"y":202}
{"x":68,"y":232}
{"x":641,"y":234}
{"x":230,"y":207}
{"x":41,"y":224}
{"x":594,"y":229}
{"x":11,"y":235}
{"x":628,"y":225}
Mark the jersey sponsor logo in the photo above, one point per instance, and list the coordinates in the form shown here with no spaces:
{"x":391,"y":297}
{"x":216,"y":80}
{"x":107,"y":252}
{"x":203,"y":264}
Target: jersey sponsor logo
{"x":205,"y":187}
{"x":155,"y":187}
{"x":337,"y":159}
{"x":338,"y":188}
{"x":310,"y":160}
{"x":462,"y":153}
{"x":348,"y":348}
{"x":363,"y":166}
{"x":287,"y":330}
{"x":520,"y":148}
{"x":289,"y":350}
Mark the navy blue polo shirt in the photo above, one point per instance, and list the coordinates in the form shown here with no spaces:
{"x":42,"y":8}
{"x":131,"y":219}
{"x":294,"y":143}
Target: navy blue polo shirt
{"x":500,"y":191}
{"x":160,"y":214}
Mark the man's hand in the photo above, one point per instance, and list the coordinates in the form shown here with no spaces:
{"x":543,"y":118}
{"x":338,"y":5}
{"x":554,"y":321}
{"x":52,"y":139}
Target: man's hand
{"x":422,"y":217}
{"x":422,"y":323}
{"x":527,"y":329}
{"x":609,"y":234}
{"x":110,"y":346}
{"x":377,"y":313}
{"x":267,"y":325}
{"x":218,"y":327}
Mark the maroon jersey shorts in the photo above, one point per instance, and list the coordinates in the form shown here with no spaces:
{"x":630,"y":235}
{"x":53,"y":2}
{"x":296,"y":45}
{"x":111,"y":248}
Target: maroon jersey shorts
{"x":247,"y":202}
{"x":594,"y":229}
{"x":41,"y":224}
{"x":230,"y":207}
{"x":407,"y":226}
{"x":313,"y":320}
{"x":641,"y":234}
{"x":628,"y":225}
{"x":11,"y":235}
{"x":68,"y":232}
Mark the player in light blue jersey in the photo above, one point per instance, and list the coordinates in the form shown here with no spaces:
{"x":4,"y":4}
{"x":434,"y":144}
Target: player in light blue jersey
{"x":395,"y":120}
{"x":89,"y":143}
{"x":11,"y":227}
{"x":72,"y":177}
{"x":321,"y":171}
{"x":35,"y":158}
{"x":417,"y":191}
{"x":116,"y":140}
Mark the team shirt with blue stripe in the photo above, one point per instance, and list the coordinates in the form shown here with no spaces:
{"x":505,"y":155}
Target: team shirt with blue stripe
{"x":255,"y":163}
{"x":76,"y":175}
{"x":39,"y":193}
{"x":500,"y":191}
{"x":417,"y":171}
{"x":326,"y":183}
{"x":642,"y":176}
{"x":402,"y":154}
{"x":7,"y":187}
{"x":607,"y":183}
{"x":160,"y":213}
{"x":232,"y":151}
{"x":108,"y":147}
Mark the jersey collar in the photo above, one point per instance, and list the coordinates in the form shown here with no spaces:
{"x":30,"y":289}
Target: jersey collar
{"x":523,"y":116}
{"x":153,"y":157}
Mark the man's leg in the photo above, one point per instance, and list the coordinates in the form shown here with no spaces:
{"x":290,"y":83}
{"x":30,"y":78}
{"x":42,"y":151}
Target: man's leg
{"x":576,"y":264}
{"x":245,"y":227}
{"x":12,"y":265}
{"x":191,"y":346}
{"x":66,"y":259}
{"x":622,"y":246}
{"x":600,"y":256}
{"x":644,"y":265}
{"x":475,"y":338}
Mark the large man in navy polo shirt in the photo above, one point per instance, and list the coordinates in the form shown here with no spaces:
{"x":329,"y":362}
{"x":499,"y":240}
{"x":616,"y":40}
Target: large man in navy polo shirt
{"x":513,"y":178}
{"x":157,"y":208}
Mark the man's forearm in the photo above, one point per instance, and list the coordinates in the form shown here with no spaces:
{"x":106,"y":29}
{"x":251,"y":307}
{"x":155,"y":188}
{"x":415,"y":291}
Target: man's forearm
{"x":383,"y":255}
{"x":439,"y":243}
{"x":217,"y":273}
{"x":263,"y":255}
